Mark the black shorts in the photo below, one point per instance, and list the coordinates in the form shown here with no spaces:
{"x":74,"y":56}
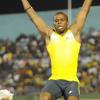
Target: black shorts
{"x":59,"y":88}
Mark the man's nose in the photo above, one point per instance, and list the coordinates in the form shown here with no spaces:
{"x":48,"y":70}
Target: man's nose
{"x":59,"y":22}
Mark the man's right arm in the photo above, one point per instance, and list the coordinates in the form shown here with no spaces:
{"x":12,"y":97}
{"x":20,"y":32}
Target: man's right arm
{"x":38,"y":22}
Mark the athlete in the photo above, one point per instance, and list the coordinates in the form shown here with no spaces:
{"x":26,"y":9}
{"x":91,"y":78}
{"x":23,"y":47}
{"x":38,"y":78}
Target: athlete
{"x":63,"y":45}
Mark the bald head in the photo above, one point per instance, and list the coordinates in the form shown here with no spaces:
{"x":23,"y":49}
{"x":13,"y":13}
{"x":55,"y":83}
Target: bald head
{"x":61,"y":13}
{"x":60,"y":22}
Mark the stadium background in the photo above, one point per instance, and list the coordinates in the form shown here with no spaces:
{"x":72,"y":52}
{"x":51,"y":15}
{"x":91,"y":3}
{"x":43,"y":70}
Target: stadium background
{"x":16,"y":28}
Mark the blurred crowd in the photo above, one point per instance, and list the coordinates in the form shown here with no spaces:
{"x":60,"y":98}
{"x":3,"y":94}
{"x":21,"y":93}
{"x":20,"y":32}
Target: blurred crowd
{"x":25,"y":64}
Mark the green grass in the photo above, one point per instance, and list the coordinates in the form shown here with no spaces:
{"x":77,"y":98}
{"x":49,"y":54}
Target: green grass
{"x":36,"y":97}
{"x":92,"y":95}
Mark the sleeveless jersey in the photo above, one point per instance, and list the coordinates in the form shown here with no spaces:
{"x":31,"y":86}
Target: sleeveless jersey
{"x":63,"y":52}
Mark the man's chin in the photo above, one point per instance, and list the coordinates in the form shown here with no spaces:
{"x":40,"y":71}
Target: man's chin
{"x":60,"y":31}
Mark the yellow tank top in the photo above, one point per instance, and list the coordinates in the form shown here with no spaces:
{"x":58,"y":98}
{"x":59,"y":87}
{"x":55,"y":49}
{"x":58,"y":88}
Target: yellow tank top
{"x":63,"y":52}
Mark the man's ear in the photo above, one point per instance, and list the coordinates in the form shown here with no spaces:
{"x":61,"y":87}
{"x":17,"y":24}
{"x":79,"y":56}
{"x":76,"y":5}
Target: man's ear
{"x":68,"y":24}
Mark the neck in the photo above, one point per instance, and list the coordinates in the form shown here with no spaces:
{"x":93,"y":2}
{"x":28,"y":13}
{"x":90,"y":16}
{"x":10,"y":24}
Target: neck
{"x":62,"y":33}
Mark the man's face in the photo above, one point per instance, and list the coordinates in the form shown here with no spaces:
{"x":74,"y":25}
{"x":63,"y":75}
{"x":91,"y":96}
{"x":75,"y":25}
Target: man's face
{"x":60,"y":23}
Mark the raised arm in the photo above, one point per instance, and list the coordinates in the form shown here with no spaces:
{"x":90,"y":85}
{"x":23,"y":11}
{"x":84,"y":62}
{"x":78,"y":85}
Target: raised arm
{"x":37,"y":21}
{"x":78,"y":24}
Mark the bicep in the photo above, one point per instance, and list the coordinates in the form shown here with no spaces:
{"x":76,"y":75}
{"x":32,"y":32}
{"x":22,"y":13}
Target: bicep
{"x":78,"y":24}
{"x":40,"y":24}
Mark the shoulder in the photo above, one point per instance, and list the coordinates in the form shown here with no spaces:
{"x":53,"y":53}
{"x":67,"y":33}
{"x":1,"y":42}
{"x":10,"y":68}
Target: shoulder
{"x":52,"y":37}
{"x":71,"y":35}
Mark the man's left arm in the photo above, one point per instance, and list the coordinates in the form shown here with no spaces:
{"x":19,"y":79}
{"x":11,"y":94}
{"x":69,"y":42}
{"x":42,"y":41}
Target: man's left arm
{"x":78,"y":24}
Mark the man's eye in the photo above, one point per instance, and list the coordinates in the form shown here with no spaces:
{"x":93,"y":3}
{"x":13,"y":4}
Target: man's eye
{"x":56,"y":21}
{"x":62,"y":20}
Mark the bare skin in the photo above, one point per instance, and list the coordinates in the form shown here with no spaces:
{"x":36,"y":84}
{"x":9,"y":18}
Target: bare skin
{"x":60,"y":26}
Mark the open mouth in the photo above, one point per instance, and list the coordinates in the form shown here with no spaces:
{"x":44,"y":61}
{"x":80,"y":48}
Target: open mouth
{"x":60,"y":27}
